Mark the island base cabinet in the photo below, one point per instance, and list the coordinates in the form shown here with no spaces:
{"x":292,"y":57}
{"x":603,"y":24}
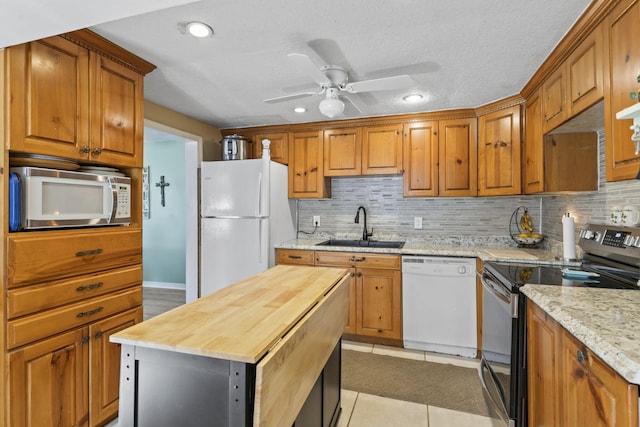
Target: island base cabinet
{"x":166,"y":389}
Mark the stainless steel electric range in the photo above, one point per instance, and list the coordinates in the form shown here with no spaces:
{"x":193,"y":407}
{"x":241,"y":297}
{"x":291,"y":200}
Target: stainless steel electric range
{"x":611,"y":260}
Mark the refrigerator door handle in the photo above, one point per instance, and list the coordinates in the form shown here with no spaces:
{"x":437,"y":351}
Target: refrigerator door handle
{"x":263,"y":241}
{"x":260,"y":197}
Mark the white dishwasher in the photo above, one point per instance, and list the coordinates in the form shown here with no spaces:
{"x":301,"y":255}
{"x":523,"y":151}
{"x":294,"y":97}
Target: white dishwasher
{"x":439,"y":304}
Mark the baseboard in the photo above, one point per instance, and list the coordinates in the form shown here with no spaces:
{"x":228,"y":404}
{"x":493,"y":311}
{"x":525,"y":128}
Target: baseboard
{"x":163,"y":285}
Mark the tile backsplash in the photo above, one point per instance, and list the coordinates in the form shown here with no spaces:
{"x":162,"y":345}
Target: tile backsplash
{"x":464,"y":220}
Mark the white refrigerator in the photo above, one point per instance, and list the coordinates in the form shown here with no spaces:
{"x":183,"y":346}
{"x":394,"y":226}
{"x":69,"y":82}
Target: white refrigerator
{"x":245,"y":211}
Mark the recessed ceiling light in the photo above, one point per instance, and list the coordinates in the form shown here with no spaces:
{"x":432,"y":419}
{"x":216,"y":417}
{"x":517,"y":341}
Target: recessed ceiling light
{"x":299,"y":109}
{"x":199,"y":29}
{"x":416,"y":97}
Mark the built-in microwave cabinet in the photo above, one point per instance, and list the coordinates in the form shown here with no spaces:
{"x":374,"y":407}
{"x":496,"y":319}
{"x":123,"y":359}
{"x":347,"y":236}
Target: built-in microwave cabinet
{"x":70,"y":101}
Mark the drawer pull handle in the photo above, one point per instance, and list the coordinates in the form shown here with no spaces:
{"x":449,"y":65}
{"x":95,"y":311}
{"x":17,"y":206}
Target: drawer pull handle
{"x":89,"y":313}
{"x":354,"y":259}
{"x":295,"y":257}
{"x":89,"y":287}
{"x":90,"y":252}
{"x":581,"y":356}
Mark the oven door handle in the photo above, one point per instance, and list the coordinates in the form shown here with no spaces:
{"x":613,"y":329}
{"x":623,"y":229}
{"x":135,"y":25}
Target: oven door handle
{"x":493,"y":286}
{"x":500,"y":407}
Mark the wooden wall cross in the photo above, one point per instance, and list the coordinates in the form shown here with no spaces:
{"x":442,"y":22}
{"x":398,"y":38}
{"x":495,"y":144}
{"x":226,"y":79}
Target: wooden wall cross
{"x":162,"y":184}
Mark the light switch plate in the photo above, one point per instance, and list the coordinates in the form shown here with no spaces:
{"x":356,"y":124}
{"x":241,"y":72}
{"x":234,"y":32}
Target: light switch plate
{"x":417,"y":223}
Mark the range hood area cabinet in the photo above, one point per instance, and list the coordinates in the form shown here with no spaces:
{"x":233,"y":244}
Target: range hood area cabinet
{"x":550,"y":161}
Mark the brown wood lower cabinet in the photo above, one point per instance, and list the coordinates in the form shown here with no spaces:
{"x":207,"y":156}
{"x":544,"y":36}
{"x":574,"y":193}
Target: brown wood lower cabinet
{"x":375,"y":296}
{"x":568,"y":384}
{"x":71,"y":379}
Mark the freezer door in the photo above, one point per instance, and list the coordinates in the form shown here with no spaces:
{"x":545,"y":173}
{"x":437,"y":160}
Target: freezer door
{"x":233,"y":188}
{"x":232,"y":250}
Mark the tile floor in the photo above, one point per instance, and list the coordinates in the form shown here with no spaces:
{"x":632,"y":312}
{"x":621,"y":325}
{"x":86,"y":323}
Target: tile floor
{"x":365,"y":410}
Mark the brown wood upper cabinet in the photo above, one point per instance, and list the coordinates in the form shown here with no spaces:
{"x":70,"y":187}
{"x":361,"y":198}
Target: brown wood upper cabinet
{"x":343,"y":152}
{"x":533,"y":156}
{"x":99,"y":118}
{"x":499,"y":153}
{"x":576,"y":84}
{"x":306,"y":177}
{"x":622,"y":47}
{"x":382,"y":149}
{"x":440,"y":158}
{"x":279,"y":146}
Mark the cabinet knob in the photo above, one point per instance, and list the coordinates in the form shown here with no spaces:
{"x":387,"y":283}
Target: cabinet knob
{"x":97,"y":151}
{"x":97,"y":334}
{"x":85,"y":149}
{"x":85,"y":339}
{"x":581,"y":356}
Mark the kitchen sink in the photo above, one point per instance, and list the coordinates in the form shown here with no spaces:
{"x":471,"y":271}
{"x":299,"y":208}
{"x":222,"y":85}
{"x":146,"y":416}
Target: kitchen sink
{"x":362,"y":244}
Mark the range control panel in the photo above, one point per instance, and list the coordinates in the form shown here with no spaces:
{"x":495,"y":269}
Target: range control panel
{"x":610,"y":241}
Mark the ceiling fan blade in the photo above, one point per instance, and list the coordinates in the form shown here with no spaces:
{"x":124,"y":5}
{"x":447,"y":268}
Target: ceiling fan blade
{"x":313,"y":69}
{"x":290,"y":97}
{"x":385,"y":83}
{"x":353,"y":104}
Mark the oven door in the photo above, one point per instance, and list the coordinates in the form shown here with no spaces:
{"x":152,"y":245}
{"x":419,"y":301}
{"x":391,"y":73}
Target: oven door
{"x":498,"y":366}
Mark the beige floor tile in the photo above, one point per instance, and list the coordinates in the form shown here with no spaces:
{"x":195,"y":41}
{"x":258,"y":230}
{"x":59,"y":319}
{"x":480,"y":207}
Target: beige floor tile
{"x":357,"y":346}
{"x":464,"y":362}
{"x":398,"y":352}
{"x":347,"y":401}
{"x":375,"y":411}
{"x":441,"y":417}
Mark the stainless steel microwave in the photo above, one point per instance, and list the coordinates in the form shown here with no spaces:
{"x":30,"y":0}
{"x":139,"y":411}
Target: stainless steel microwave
{"x":41,"y":198}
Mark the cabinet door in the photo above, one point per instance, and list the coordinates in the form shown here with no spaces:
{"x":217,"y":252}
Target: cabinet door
{"x":351,"y":328}
{"x":48,"y":82}
{"x":342,"y":152}
{"x":48,"y":382}
{"x":585,"y":73}
{"x":458,"y":165}
{"x":306,"y":179}
{"x":543,"y":340}
{"x":382,"y":150}
{"x":117,"y":119}
{"x":622,"y":44}
{"x":499,"y":153}
{"x":533,"y":164}
{"x":592,"y":393}
{"x":420,"y":152}
{"x":104,"y":365}
{"x":554,"y":99}
{"x":379,"y":303}
{"x":279,"y":146}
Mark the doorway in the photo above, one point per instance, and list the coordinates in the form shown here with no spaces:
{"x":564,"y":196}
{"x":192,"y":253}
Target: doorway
{"x":170,"y":231}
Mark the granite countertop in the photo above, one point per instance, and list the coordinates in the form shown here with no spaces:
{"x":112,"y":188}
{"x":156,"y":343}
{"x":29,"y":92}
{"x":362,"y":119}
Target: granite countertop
{"x":485,"y":253}
{"x":603,"y":319}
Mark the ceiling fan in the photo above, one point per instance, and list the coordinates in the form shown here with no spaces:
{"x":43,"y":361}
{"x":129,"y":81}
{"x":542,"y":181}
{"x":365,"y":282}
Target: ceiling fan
{"x":334,"y":80}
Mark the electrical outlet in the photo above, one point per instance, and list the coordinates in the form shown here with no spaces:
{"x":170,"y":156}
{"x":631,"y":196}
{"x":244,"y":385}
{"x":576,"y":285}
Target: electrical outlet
{"x":417,"y":223}
{"x":316,"y":220}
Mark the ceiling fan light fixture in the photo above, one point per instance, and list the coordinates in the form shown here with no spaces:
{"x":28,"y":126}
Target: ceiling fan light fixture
{"x":199,"y":29}
{"x":331,"y":106}
{"x":413,"y":98}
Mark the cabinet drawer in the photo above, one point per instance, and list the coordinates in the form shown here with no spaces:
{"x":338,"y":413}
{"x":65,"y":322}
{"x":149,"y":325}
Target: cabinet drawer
{"x":356,"y":259}
{"x":31,"y":328}
{"x":40,"y":256}
{"x":295,"y":256}
{"x":35,"y":298}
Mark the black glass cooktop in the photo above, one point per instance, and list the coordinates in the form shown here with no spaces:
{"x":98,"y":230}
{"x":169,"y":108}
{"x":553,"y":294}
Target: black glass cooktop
{"x":521,"y":274}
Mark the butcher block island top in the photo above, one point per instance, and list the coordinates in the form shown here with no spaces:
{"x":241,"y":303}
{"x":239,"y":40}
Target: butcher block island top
{"x":240,"y":322}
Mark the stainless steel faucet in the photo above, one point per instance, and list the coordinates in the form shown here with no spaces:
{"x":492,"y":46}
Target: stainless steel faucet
{"x":365,"y":233}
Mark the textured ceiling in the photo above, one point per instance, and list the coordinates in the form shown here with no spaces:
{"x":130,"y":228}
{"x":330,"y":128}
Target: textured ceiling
{"x":461,"y":53}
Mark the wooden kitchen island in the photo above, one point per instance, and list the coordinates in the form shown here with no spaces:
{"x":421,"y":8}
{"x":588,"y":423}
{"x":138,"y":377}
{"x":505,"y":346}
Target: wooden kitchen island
{"x":262,"y":352}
